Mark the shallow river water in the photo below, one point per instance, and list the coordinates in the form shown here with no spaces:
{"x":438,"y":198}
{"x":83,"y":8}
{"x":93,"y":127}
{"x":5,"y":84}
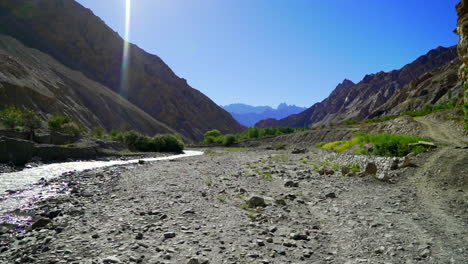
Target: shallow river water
{"x":29,"y":194}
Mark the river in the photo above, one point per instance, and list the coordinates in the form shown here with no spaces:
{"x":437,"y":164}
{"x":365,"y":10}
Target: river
{"x":29,"y":193}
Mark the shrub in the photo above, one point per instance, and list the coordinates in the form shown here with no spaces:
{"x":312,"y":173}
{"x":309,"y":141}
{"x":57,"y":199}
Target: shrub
{"x":212,"y":136}
{"x":98,"y":132}
{"x":170,"y":143}
{"x":229,"y":139}
{"x":57,"y":121}
{"x":11,"y":117}
{"x":140,"y":142}
{"x":384,"y":145}
{"x":350,"y":122}
{"x":72,"y":128}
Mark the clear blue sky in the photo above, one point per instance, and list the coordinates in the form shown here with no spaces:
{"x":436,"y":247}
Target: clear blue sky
{"x":264,"y":52}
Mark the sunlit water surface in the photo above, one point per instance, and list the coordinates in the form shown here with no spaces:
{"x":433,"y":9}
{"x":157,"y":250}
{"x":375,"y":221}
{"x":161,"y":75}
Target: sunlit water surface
{"x":30,"y":194}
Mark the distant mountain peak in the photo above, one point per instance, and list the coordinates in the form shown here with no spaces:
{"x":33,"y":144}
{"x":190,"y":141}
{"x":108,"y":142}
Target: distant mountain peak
{"x":249,"y":115}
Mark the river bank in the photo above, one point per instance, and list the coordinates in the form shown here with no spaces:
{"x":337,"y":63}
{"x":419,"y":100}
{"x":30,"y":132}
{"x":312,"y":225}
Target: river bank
{"x":195,"y":209}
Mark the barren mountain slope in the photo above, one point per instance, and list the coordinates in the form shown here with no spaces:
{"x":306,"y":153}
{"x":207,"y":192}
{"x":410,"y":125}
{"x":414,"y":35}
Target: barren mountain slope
{"x":35,"y":80}
{"x":78,"y":39}
{"x":428,"y":79}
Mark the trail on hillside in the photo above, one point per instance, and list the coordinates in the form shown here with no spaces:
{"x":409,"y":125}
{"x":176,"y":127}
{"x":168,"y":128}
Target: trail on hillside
{"x":441,"y":132}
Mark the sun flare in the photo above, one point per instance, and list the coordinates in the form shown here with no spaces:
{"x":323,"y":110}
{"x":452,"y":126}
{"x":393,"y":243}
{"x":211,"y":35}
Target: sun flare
{"x":126,"y":56}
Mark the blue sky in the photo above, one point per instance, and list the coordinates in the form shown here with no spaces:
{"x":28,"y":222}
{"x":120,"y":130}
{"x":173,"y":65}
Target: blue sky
{"x":264,"y":52}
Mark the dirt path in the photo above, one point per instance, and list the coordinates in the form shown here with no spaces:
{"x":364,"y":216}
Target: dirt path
{"x":440,"y":132}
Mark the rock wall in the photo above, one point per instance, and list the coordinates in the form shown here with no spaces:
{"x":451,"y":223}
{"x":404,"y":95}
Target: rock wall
{"x":462,"y":30}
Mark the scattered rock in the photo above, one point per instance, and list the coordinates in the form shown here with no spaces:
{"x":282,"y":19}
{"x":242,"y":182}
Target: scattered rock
{"x":371,"y":169}
{"x":169,"y":235}
{"x":139,"y":236}
{"x":290,"y":183}
{"x":141,"y":162}
{"x":280,"y":201}
{"x":41,"y":222}
{"x":298,"y":151}
{"x":407,"y":162}
{"x":394,"y":165}
{"x":345,"y":170}
{"x":256,"y":201}
{"x":193,"y":261}
{"x":330,"y":195}
{"x":111,"y":259}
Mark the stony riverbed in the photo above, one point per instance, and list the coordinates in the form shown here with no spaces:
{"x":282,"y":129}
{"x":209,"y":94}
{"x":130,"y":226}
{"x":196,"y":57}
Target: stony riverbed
{"x":197,"y":210}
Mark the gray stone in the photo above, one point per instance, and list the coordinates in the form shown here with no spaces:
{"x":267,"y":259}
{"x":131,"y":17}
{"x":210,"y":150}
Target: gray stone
{"x":41,"y":222}
{"x":371,"y":169}
{"x":256,"y":201}
{"x":290,"y":183}
{"x":169,"y":235}
{"x":345,"y":170}
{"x":111,"y":259}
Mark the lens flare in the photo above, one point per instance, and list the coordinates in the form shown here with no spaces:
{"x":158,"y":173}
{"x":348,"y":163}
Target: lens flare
{"x":124,"y":81}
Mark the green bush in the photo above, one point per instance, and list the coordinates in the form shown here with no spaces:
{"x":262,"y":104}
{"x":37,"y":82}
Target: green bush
{"x":57,"y":121}
{"x":212,"y":136}
{"x":384,"y":145}
{"x":350,"y":122}
{"x":229,"y":139}
{"x":12,"y":117}
{"x":98,"y":132}
{"x":140,"y":142}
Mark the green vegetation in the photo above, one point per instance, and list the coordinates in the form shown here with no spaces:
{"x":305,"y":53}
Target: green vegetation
{"x":64,"y":124}
{"x":98,"y":132}
{"x":229,"y":139}
{"x":381,"y":119}
{"x":12,"y":117}
{"x":140,"y":142}
{"x":427,"y":109}
{"x":383,"y":145}
{"x":232,"y":149}
{"x":350,"y":122}
{"x":216,"y":137}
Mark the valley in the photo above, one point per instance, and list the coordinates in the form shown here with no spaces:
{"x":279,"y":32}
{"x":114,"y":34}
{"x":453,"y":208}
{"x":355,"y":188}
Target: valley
{"x":139,"y":214}
{"x":108,"y":156}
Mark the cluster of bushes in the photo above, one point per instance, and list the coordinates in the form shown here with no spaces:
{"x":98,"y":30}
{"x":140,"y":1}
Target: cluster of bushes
{"x":215,"y":136}
{"x":64,"y":124}
{"x":427,"y":109}
{"x":22,"y":119}
{"x":383,"y":145}
{"x":140,"y":142}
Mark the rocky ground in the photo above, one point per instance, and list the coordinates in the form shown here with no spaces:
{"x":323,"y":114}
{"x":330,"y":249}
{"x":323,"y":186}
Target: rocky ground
{"x":200,"y":210}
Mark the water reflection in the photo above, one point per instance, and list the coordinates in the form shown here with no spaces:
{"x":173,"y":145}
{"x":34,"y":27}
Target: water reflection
{"x":31,"y":192}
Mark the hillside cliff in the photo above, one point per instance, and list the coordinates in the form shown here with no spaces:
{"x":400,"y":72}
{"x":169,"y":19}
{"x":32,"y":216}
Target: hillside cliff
{"x":77,"y":38}
{"x":462,"y":30}
{"x":35,"y":80}
{"x":424,"y":81}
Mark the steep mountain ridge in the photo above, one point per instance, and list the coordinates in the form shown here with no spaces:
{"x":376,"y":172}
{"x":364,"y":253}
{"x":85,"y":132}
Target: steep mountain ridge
{"x":373,"y":95}
{"x":248,"y":115}
{"x":30,"y":78}
{"x":77,"y":38}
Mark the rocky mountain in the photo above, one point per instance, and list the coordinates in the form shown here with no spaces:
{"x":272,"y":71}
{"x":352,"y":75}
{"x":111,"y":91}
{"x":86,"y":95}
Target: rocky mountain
{"x":428,"y":80}
{"x":249,"y":115}
{"x":33,"y":79}
{"x":81,"y":41}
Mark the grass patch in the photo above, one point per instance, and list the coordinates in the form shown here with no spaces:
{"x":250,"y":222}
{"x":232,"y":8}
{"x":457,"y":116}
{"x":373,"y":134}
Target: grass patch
{"x":234,"y":149}
{"x":384,"y":145}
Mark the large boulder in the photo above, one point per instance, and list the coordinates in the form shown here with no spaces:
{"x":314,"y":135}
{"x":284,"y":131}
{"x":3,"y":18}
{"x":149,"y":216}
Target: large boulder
{"x":16,"y":151}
